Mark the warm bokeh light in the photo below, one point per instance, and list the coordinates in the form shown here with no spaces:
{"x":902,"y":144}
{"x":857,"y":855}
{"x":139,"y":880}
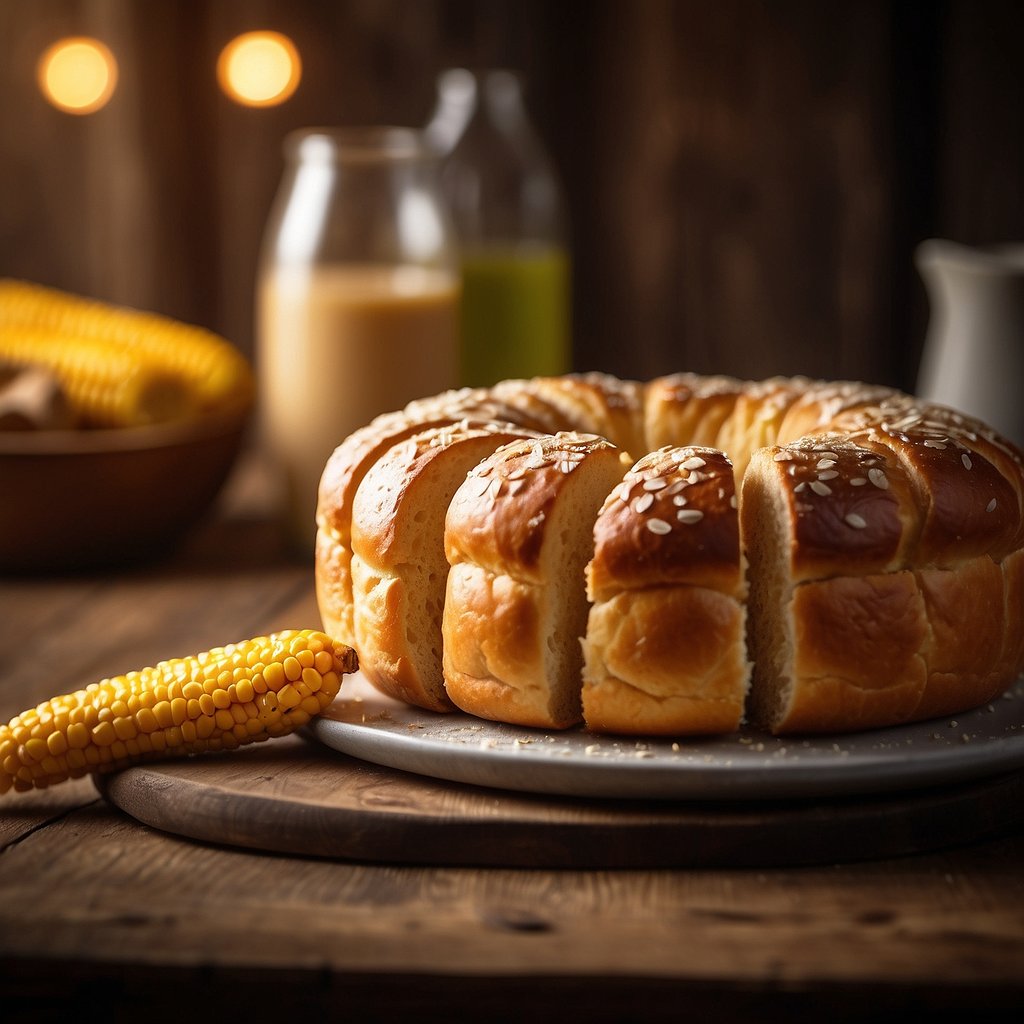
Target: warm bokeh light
{"x":78,"y":75}
{"x":259,"y":69}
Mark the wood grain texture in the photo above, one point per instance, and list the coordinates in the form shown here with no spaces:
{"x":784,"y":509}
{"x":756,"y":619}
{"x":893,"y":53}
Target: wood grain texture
{"x":293,"y":797}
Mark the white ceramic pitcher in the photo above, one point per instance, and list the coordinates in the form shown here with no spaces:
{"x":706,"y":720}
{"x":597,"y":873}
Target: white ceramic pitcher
{"x":973,"y":358}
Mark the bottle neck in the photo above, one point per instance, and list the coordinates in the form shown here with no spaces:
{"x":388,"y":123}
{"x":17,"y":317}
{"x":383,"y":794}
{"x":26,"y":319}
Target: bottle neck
{"x":496,"y":177}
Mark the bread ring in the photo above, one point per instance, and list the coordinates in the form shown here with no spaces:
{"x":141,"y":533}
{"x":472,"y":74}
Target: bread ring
{"x":871,"y":572}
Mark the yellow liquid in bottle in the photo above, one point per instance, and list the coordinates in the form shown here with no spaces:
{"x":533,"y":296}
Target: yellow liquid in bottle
{"x":514,"y":314}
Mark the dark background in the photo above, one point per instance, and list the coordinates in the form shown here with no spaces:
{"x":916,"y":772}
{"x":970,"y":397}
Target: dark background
{"x":747,"y":180}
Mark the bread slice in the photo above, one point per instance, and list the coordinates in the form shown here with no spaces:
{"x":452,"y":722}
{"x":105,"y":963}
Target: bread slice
{"x":837,"y":622}
{"x":398,"y":562}
{"x":665,"y":650}
{"x":518,"y":536}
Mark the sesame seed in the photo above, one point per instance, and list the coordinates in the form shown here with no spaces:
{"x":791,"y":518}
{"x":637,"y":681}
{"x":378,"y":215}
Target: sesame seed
{"x":689,"y":516}
{"x":829,"y":474}
{"x":676,"y":487}
{"x":819,"y":488}
{"x":679,"y":500}
{"x":643,"y":503}
{"x":659,"y":526}
{"x":858,"y":481}
{"x":694,"y":462}
{"x":856,"y":521}
{"x":732,"y":502}
{"x":783,"y":456}
{"x":826,"y":463}
{"x":966,"y":460}
{"x":479,"y":485}
{"x":935,"y":444}
{"x":800,"y":486}
{"x":655,"y":484}
{"x":879,"y":479}
{"x":991,"y":505}
{"x":494,"y":488}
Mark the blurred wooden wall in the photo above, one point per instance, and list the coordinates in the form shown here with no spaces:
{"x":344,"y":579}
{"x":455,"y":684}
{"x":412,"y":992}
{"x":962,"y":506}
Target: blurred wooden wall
{"x":747,"y":180}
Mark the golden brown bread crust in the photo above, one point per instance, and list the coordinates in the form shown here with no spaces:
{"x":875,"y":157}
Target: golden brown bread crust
{"x":518,"y":535}
{"x":665,"y":644}
{"x":685,"y":408}
{"x":899,"y":541}
{"x":672,"y":520}
{"x":665,"y":661}
{"x":597,"y":403}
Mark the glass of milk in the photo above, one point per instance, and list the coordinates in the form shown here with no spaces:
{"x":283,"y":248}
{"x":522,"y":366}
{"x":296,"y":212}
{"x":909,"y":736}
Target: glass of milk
{"x":357,"y":300}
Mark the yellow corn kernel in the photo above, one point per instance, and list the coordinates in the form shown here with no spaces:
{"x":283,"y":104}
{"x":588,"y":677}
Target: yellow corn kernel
{"x":288,"y":697}
{"x":211,"y":369}
{"x":103,"y":735}
{"x":179,"y":710}
{"x":118,"y":721}
{"x":57,"y":743}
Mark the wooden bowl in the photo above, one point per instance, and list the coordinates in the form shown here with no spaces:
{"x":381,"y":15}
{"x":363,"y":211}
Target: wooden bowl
{"x":72,"y":500}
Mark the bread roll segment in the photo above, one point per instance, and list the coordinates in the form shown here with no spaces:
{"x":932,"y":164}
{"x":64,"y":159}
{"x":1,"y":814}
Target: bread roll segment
{"x":518,"y":535}
{"x":665,"y":645}
{"x":864,"y":611}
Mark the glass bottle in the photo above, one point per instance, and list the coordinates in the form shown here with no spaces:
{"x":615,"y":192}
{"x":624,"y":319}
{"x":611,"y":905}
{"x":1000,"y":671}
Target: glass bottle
{"x":509,"y":214}
{"x":357,"y":300}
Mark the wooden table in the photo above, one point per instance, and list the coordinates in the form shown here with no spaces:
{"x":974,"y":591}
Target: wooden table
{"x":98,"y":909}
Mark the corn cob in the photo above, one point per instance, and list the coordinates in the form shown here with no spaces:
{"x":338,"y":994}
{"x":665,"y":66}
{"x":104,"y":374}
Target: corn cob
{"x":210,"y":365}
{"x":218,"y":700}
{"x":104,"y":385}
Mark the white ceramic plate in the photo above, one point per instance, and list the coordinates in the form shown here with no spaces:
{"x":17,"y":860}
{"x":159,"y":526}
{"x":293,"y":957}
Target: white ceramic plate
{"x":748,"y":766}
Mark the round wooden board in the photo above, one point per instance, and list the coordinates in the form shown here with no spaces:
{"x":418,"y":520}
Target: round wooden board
{"x":292,"y":796}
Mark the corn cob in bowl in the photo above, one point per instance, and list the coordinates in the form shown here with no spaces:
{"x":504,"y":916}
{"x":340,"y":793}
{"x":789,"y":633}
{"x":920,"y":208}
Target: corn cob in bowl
{"x":161,"y":409}
{"x":122,"y":367}
{"x":218,"y":700}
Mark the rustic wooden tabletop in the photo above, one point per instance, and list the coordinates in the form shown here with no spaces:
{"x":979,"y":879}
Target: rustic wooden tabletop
{"x":99,"y":909}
